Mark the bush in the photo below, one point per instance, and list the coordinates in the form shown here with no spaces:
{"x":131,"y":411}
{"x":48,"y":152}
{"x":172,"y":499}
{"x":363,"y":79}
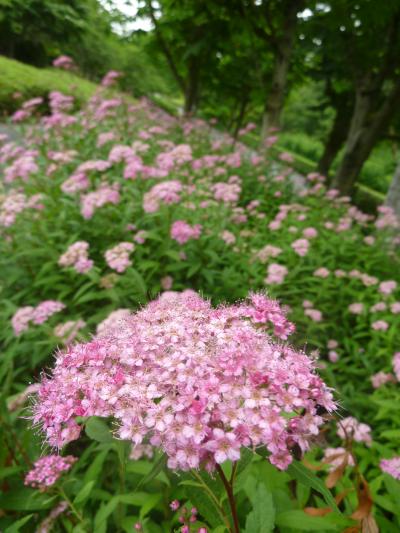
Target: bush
{"x":104,"y":211}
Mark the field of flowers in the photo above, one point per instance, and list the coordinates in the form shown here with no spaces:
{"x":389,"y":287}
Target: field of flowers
{"x":147,"y":380}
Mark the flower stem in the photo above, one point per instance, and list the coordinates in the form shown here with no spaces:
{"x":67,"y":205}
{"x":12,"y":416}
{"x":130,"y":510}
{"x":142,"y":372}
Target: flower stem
{"x":229,"y":491}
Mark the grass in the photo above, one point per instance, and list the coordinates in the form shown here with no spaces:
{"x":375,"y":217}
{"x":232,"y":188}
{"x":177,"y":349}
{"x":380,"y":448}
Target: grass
{"x":28,"y":81}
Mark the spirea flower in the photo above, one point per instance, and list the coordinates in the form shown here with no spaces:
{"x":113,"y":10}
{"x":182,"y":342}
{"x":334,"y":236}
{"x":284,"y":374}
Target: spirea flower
{"x":380,"y":378}
{"x":391,"y":466}
{"x":117,"y":258}
{"x":167,"y":192}
{"x":276,"y":274}
{"x":351,"y":428}
{"x":396,"y":365}
{"x":47,"y":470}
{"x":301,"y":247}
{"x":77,"y":257}
{"x":182,"y":232}
{"x":199,"y":383}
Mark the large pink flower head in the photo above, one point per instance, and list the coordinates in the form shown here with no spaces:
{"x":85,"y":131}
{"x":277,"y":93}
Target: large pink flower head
{"x":199,"y":383}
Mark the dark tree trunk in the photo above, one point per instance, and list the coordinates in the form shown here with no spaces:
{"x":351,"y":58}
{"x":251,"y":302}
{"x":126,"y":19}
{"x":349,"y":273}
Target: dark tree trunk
{"x":192,"y":88}
{"x":336,"y":138}
{"x":365,"y":130}
{"x":393,"y":194}
{"x":283,"y":51}
{"x":241,"y":115}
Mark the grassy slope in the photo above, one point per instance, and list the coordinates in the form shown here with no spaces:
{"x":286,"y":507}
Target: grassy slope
{"x":16,"y":77}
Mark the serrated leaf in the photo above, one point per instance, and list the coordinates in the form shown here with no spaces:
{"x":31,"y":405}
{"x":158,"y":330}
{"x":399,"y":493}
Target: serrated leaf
{"x":262,"y":517}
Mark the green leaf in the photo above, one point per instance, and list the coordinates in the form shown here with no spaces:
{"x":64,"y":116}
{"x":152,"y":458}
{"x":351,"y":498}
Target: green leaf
{"x":18,"y":524}
{"x":104,"y":512}
{"x":300,"y":520}
{"x":262,"y":518}
{"x":92,"y":473}
{"x":97,"y":430}
{"x":205,"y":503}
{"x":302,"y":474}
{"x":84,"y":493}
{"x":157,"y":468}
{"x":25,"y":500}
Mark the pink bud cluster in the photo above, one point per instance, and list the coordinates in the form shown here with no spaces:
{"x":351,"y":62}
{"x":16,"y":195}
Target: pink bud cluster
{"x":117,"y":257}
{"x":198,"y":382}
{"x":37,"y":315}
{"x":47,"y":470}
{"x":182,"y":232}
{"x":77,"y":257}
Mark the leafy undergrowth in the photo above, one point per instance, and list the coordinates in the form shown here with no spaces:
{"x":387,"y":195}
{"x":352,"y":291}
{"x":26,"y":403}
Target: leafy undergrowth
{"x":103,"y":210}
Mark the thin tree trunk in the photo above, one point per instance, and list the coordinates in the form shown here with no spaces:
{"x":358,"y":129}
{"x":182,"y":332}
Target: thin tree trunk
{"x":241,"y":115}
{"x":283,"y":51}
{"x":393,"y":194}
{"x":365,"y":131}
{"x":336,"y":138}
{"x":192,"y":88}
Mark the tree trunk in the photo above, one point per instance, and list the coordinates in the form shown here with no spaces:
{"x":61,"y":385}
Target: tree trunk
{"x":283,"y":51}
{"x":393,"y":194}
{"x":192,"y":88}
{"x":241,"y":115}
{"x":336,"y":138}
{"x":365,"y":130}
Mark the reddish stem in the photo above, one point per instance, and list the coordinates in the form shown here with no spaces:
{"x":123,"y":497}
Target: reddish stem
{"x":229,"y":491}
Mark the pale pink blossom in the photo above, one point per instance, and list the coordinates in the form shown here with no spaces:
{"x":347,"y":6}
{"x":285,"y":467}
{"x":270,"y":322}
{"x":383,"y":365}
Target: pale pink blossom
{"x":301,"y":247}
{"x":276,"y":274}
{"x":182,"y":232}
{"x":391,"y":467}
{"x":351,"y":428}
{"x":380,"y":325}
{"x":117,"y":257}
{"x":356,"y":308}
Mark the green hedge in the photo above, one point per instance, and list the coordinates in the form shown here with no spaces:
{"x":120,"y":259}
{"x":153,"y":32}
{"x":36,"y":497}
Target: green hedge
{"x":30,"y":81}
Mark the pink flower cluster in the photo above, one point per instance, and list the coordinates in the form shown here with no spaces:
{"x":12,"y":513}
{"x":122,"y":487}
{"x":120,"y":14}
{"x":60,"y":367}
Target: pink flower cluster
{"x":351,"y":428}
{"x":182,"y":232}
{"x":64,"y":62}
{"x":15,"y":202}
{"x":227,"y":192}
{"x":105,"y":194}
{"x":276,"y":274}
{"x":37,"y":315}
{"x":110,"y":78}
{"x":301,"y":247}
{"x":391,"y":467}
{"x":47,"y":470}
{"x":22,"y":167}
{"x":117,"y":257}
{"x":167,"y":192}
{"x":77,"y":257}
{"x":69,"y":330}
{"x":198,"y":382}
